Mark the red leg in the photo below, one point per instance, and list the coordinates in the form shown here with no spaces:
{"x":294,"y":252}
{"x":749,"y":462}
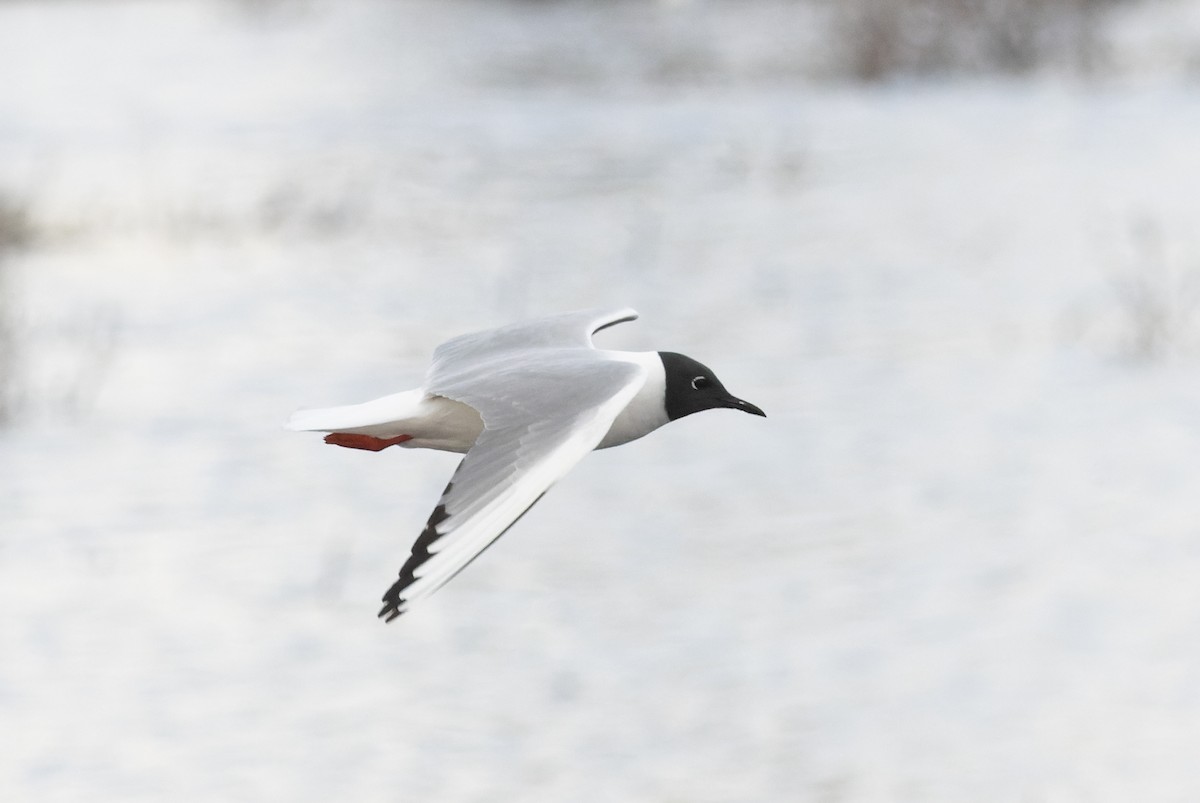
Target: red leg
{"x":368,"y":442}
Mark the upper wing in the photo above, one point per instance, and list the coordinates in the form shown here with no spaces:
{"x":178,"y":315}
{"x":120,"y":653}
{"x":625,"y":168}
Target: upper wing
{"x":568,"y":330}
{"x":540,"y":419}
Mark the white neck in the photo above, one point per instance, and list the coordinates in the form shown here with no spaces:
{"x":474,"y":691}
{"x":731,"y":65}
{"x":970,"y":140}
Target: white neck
{"x":647,"y":410}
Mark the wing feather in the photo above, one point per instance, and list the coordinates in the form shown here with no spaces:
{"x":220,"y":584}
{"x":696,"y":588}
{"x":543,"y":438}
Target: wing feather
{"x":565,"y":405}
{"x":567,"y":330}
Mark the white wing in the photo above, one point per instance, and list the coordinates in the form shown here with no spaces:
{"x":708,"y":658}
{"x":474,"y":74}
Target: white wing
{"x":568,"y":330}
{"x":542,"y":413}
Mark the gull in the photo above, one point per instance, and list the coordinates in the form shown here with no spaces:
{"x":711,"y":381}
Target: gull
{"x":524,"y":403}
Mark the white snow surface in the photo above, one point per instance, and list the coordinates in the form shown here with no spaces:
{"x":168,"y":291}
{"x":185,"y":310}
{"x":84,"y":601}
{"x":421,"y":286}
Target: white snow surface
{"x":959,"y":560}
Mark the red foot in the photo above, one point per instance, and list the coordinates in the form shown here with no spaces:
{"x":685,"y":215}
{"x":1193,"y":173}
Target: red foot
{"x":368,"y":442}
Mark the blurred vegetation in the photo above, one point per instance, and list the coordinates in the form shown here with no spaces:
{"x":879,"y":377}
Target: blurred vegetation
{"x":16,"y":224}
{"x":659,"y":42}
{"x":1148,"y":308}
{"x":883,"y":38}
{"x":1158,"y":298}
{"x":16,"y":234}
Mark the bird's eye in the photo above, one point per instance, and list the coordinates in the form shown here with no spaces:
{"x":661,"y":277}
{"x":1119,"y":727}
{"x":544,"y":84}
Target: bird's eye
{"x":701,"y":382}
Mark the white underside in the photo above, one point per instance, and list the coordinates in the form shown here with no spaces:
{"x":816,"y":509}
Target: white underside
{"x":434,"y":422}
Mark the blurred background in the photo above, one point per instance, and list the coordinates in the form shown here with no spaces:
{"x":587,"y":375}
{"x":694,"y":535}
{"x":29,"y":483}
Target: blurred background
{"x":949,"y":246}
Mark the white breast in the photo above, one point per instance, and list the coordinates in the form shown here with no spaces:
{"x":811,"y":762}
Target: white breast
{"x":647,"y":411}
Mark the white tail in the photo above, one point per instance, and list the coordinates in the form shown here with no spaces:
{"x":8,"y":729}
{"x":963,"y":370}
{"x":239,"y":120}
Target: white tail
{"x":433,"y":422}
{"x":380,"y":417}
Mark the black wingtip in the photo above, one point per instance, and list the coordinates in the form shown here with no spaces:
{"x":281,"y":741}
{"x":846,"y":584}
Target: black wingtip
{"x":392,"y":603}
{"x":390,"y":612}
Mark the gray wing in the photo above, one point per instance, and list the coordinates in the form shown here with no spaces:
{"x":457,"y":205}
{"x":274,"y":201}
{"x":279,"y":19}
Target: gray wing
{"x":541,"y":415}
{"x":568,"y":330}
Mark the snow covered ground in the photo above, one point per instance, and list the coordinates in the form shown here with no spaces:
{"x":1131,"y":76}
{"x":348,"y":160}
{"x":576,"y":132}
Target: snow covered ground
{"x":958,"y":561}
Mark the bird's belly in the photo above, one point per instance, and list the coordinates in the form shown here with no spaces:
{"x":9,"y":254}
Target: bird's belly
{"x":619,"y":435}
{"x":445,"y":425}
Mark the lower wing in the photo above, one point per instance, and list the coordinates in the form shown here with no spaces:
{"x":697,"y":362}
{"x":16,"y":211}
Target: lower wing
{"x":503,"y":475}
